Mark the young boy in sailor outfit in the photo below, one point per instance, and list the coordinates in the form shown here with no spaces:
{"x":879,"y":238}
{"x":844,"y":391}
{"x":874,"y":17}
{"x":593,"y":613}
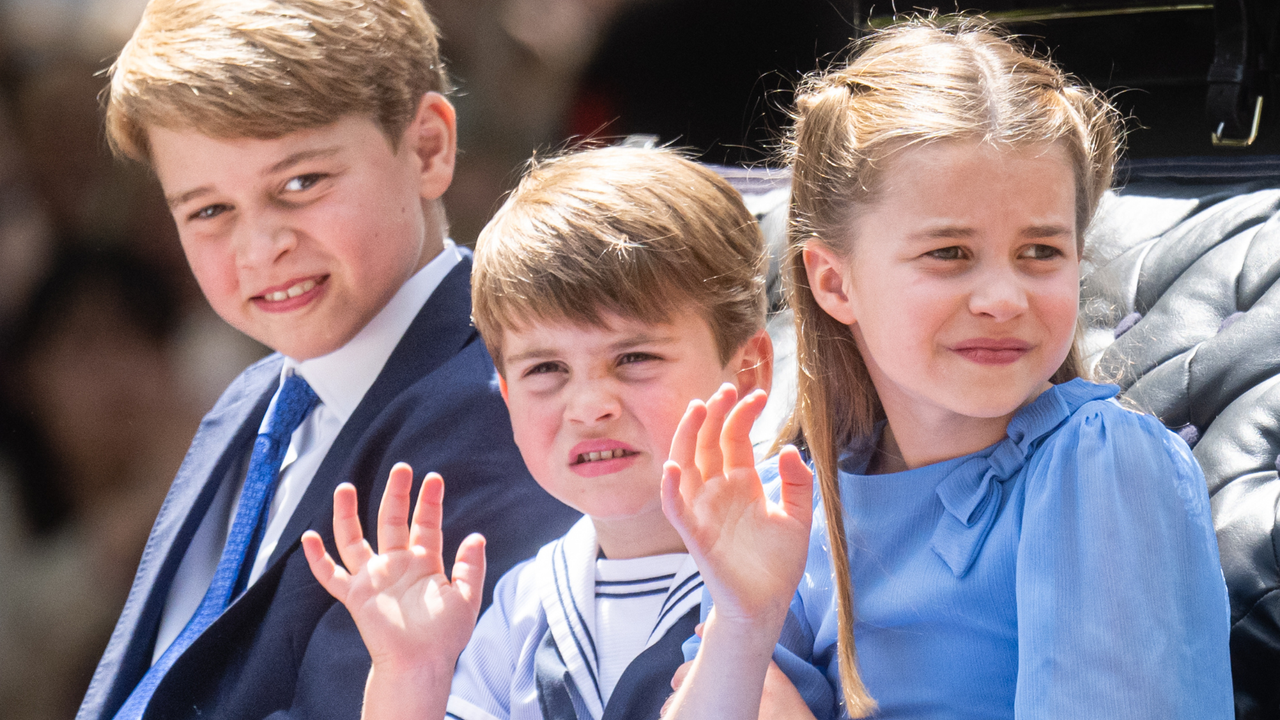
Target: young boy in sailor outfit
{"x":612,"y":288}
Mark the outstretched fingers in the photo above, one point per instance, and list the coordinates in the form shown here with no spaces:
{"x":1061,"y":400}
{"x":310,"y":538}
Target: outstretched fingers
{"x":710,"y":459}
{"x":684,"y":444}
{"x":335,"y":580}
{"x":425,"y":535}
{"x":735,"y":439}
{"x":347,"y":533}
{"x":393,"y":513}
{"x":469,"y":569}
{"x":797,"y":485}
{"x":674,"y":505}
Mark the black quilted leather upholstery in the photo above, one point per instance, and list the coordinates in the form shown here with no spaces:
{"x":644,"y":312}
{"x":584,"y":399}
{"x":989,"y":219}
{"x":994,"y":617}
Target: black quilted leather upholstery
{"x":1185,"y":274}
{"x":1180,"y":306}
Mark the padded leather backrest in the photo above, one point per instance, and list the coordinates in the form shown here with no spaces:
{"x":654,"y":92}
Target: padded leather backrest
{"x":1180,"y":307}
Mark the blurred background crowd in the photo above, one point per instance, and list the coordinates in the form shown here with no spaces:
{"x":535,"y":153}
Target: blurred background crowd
{"x":108,"y":353}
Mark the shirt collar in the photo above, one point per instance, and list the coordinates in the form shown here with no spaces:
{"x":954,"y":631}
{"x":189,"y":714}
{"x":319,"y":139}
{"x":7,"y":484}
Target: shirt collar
{"x":342,"y":377}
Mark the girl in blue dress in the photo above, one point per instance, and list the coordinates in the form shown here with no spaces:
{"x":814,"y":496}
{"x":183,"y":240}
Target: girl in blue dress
{"x":996,"y":536}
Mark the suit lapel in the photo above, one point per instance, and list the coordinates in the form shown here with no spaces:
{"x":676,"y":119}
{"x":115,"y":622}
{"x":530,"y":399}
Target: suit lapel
{"x":217,"y":449}
{"x":440,"y":330}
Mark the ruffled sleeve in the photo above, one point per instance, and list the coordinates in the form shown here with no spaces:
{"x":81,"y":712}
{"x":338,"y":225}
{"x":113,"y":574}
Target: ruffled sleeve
{"x":1121,"y":606}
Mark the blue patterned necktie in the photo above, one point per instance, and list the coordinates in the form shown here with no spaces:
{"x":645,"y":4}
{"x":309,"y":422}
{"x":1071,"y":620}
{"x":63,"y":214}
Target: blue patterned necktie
{"x":293,"y":403}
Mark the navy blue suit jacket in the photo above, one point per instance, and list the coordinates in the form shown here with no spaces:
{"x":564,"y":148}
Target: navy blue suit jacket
{"x":285,"y":648}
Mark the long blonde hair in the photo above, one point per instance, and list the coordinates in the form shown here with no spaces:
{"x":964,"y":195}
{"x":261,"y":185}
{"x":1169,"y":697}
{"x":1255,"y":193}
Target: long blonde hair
{"x":920,"y":81}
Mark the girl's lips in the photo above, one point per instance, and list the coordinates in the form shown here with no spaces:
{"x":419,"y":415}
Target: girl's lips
{"x":592,"y":458}
{"x":992,"y":351}
{"x":291,"y":295}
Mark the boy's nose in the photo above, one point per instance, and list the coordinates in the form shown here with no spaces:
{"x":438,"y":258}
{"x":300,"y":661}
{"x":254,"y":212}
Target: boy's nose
{"x":591,"y":402}
{"x":263,"y":240}
{"x":998,"y":294}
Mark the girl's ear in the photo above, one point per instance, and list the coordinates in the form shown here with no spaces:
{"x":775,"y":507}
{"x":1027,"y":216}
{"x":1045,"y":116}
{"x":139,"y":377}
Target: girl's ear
{"x":753,"y":364}
{"x":827,"y":273}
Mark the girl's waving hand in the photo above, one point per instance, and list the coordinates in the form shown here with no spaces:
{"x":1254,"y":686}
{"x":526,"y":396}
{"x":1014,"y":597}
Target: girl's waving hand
{"x":413,"y":619}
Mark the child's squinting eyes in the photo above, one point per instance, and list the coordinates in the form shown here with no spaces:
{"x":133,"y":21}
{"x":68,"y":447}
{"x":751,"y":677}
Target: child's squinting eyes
{"x":636,"y":357}
{"x":954,"y":252}
{"x":208,"y":212}
{"x":303,"y":182}
{"x":543,"y":368}
{"x":1040,"y":252}
{"x":1037,"y":251}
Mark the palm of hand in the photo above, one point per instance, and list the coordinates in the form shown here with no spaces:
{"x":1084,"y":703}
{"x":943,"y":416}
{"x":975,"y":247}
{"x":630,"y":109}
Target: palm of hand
{"x":751,"y":552}
{"x":405,"y":606}
{"x":736,"y":531}
{"x":401,"y":597}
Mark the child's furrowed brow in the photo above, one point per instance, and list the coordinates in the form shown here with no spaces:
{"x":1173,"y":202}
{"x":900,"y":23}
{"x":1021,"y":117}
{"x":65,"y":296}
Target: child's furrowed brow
{"x":641,"y":340}
{"x":533,"y":354}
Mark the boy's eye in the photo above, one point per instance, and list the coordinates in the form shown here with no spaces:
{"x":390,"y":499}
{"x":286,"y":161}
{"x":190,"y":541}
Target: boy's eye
{"x":209,"y":211}
{"x":543,"y":368}
{"x":954,"y":252}
{"x":1040,"y":252}
{"x":636,"y":357}
{"x":303,"y":182}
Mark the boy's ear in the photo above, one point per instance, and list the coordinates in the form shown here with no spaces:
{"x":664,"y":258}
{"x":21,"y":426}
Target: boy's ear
{"x":827,"y":273}
{"x":753,"y":364}
{"x":502,"y":388}
{"x":433,"y":137}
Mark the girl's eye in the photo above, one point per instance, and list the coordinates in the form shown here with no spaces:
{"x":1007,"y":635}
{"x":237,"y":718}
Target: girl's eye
{"x":303,"y":182}
{"x":208,"y":212}
{"x":1040,"y":252}
{"x":954,"y":252}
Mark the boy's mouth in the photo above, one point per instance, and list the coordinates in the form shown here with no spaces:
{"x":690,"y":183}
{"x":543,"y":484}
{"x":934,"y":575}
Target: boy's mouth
{"x":601,"y":454}
{"x":293,"y":291}
{"x":604,"y":455}
{"x":287,"y":296}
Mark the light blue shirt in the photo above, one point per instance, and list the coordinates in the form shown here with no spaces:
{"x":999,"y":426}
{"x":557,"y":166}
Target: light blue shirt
{"x":1070,"y":570}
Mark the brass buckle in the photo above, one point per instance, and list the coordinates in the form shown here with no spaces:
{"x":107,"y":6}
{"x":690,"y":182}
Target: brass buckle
{"x":1219,"y":141}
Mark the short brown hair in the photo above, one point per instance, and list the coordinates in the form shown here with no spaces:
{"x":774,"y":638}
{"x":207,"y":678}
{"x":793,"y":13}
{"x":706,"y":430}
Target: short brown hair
{"x":639,"y":233}
{"x":265,"y":68}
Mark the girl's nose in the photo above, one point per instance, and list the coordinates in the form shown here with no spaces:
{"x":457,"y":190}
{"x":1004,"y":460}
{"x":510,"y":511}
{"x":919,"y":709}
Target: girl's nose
{"x":999,"y":294}
{"x":591,"y":401}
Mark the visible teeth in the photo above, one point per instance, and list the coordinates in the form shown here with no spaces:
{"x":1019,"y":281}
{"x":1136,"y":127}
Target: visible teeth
{"x":597,"y":456}
{"x":293,"y":292}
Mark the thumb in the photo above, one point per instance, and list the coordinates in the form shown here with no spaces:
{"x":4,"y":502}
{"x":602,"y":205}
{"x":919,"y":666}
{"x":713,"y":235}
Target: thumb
{"x":468,"y":571}
{"x":797,"y":485}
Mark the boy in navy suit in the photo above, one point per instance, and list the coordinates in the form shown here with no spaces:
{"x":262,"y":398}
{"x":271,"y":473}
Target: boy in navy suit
{"x":613,"y":287}
{"x":303,"y":147}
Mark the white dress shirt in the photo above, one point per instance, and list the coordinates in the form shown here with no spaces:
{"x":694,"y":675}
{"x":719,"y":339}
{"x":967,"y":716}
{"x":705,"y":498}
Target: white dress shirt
{"x":340,"y":379}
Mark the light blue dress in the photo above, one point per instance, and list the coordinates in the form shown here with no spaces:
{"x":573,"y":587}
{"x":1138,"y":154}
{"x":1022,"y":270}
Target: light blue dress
{"x":1068,"y":571}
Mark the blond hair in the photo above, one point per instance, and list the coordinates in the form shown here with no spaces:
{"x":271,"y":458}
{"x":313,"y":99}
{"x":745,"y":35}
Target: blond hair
{"x":920,"y":81}
{"x":265,"y":68}
{"x":637,"y":233}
